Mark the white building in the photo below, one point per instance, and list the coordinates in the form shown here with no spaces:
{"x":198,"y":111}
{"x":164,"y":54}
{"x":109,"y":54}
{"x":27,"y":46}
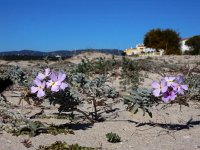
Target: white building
{"x":150,"y":50}
{"x":142,"y":51}
{"x":183,"y":46}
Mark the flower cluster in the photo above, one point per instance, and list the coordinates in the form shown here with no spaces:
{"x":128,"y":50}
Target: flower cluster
{"x":48,"y":80}
{"x":169,"y":88}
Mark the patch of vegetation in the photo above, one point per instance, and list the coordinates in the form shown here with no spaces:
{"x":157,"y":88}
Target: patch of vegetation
{"x":97,"y":92}
{"x":113,"y":137}
{"x":99,"y":65}
{"x":63,"y":146}
{"x":31,"y":129}
{"x":140,"y":98}
{"x":194,"y":85}
{"x":130,"y":73}
{"x":10,"y":120}
{"x":55,"y":130}
{"x":36,"y":128}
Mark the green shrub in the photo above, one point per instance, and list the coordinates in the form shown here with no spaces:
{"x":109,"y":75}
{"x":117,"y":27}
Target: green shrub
{"x":113,"y":137}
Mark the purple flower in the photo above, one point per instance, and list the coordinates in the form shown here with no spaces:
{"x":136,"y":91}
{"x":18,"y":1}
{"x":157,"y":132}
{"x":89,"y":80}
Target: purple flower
{"x":39,"y":88}
{"x":179,"y":79}
{"x":168,"y":96}
{"x":61,"y":78}
{"x":56,"y":82}
{"x":41,"y":76}
{"x":169,"y":88}
{"x":170,"y":81}
{"x":53,"y":83}
{"x":181,"y":87}
{"x":159,"y":87}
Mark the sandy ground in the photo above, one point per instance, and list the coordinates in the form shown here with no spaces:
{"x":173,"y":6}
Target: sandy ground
{"x":133,"y":137}
{"x":144,"y":137}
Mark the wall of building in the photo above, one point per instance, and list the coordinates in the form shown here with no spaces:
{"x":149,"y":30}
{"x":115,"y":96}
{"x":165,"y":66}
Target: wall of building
{"x":183,"y":46}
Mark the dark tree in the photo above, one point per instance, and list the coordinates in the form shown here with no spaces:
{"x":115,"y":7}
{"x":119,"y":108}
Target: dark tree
{"x":194,"y":44}
{"x":152,"y":39}
{"x":168,"y":40}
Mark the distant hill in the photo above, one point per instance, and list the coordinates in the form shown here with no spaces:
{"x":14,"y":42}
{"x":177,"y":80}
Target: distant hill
{"x":62,"y":53}
{"x":23,"y":52}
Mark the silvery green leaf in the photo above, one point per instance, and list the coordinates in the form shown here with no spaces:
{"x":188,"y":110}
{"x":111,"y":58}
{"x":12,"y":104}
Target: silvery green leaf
{"x":135,"y":108}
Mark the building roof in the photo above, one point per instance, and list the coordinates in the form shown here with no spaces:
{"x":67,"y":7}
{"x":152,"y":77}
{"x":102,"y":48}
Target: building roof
{"x":140,"y":45}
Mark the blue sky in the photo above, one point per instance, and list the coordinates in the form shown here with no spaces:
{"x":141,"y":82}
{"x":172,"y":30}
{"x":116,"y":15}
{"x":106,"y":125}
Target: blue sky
{"x":48,"y":25}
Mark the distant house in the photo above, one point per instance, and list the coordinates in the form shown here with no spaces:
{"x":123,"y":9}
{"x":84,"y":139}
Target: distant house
{"x":140,"y":47}
{"x":135,"y":51}
{"x":140,"y":50}
{"x":183,"y":46}
{"x":131,"y":51}
{"x":150,"y":50}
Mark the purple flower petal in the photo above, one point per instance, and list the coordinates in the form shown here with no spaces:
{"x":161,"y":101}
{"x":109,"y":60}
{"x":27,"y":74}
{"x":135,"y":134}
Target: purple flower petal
{"x":172,"y":78}
{"x":180,"y":91}
{"x":185,"y":87}
{"x":40,"y":93}
{"x":63,"y":86}
{"x":47,"y":71}
{"x":174,"y":84}
{"x":165,"y":99}
{"x":156,"y":92}
{"x":61,"y":76}
{"x":43,"y":84}
{"x":48,"y":84}
{"x":55,"y":88}
{"x":172,"y":95}
{"x":37,"y":82}
{"x":155,"y":85}
{"x":57,"y":83}
{"x":166,"y":78}
{"x":34,"y":89}
{"x":54,"y":77}
{"x":179,"y":79}
{"x":164,"y":89}
{"x":40,"y":76}
{"x":163,"y":82}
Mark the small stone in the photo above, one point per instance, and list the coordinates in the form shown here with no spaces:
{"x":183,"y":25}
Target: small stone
{"x":187,"y":137}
